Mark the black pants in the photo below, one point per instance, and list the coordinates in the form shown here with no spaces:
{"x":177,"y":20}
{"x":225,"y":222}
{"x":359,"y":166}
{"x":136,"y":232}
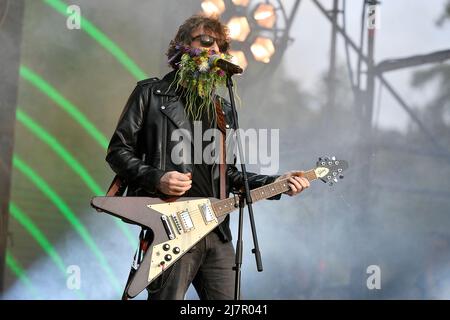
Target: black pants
{"x":208,"y":266}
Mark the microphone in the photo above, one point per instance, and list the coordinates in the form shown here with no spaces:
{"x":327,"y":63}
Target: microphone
{"x":227,"y":66}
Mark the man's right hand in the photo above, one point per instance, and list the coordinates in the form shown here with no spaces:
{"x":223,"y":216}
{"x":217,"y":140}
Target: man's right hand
{"x":174,"y":183}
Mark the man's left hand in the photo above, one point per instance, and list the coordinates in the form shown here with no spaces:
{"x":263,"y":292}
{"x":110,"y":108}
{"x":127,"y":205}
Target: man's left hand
{"x":297,"y":182}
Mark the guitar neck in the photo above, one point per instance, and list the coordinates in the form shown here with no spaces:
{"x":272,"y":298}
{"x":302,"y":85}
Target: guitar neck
{"x":225,"y":206}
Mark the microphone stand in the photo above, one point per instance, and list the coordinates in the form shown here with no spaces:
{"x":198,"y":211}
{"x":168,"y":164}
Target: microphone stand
{"x":243,"y":198}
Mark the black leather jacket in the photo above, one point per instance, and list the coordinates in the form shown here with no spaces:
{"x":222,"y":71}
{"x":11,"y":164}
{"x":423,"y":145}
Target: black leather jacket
{"x":140,"y":148}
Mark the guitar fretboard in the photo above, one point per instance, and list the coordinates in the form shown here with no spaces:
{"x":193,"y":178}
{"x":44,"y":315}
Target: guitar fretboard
{"x":225,"y":206}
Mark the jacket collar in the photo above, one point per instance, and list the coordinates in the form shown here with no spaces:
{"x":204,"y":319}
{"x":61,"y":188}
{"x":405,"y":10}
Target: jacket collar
{"x":164,"y":87}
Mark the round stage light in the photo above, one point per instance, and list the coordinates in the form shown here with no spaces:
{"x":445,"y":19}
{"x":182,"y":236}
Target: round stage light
{"x":242,"y":3}
{"x":239,"y":58}
{"x":262,"y":49}
{"x":239,"y":28}
{"x":213,"y":7}
{"x":265,"y":15}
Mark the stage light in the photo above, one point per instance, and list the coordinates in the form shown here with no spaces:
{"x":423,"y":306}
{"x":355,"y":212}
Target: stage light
{"x":262,"y":49}
{"x":256,"y":29}
{"x":239,"y":58}
{"x":213,"y":7}
{"x":242,"y":3}
{"x":265,"y":15}
{"x":239,"y":28}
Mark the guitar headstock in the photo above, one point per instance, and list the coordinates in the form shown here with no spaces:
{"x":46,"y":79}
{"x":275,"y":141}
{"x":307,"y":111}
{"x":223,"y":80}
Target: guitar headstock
{"x":329,"y":170}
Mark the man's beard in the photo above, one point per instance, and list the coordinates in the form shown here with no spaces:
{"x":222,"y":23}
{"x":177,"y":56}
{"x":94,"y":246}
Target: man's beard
{"x":198,"y":81}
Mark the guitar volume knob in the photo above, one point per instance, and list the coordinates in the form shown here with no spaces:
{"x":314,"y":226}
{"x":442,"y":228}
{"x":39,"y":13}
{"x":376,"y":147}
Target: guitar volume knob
{"x":167,"y":257}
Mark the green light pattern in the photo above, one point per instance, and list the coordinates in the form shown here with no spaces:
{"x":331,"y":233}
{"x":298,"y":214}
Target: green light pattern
{"x":65,"y":104}
{"x":72,"y":162}
{"x":62,"y":206}
{"x":76,"y":114}
{"x":102,"y":39}
{"x":14,"y":266}
{"x":41,"y":239}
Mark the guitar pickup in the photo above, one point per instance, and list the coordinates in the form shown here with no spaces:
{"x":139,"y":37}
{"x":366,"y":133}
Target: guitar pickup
{"x":186,"y":220}
{"x":168,"y":227}
{"x":207,"y":214}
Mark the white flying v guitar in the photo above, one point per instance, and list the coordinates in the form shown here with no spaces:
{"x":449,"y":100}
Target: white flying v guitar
{"x":178,"y":225}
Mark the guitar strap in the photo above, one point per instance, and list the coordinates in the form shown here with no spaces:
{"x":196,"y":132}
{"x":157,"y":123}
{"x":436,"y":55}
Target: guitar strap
{"x":222,"y":167}
{"x":221,"y":125}
{"x":117,"y":187}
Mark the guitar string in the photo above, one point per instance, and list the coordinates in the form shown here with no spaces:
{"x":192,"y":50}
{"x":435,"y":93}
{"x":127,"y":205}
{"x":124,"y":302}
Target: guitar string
{"x":196,"y":212}
{"x":279,"y":182}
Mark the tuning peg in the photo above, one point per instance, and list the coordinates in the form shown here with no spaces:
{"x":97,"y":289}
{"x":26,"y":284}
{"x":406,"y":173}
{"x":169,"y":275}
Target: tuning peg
{"x":330,"y":184}
{"x":335,"y":179}
{"x":333,"y":158}
{"x":341,"y":176}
